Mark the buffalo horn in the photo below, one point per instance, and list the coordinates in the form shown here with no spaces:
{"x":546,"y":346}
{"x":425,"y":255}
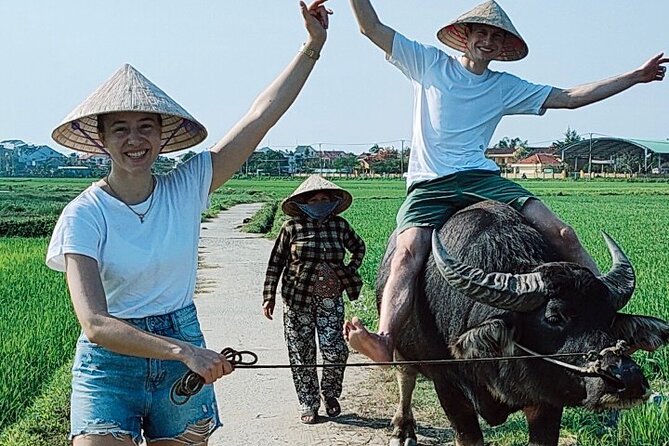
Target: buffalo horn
{"x":620,"y":280}
{"x":515,"y":292}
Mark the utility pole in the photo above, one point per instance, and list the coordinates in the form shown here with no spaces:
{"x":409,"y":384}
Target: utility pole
{"x":402,"y":158}
{"x":590,"y":159}
{"x":320,"y":151}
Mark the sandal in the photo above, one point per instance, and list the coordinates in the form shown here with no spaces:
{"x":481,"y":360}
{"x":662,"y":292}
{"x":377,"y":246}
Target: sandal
{"x":332,"y":407}
{"x":309,"y":417}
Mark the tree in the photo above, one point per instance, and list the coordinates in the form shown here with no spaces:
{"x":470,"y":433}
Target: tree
{"x":389,"y":165}
{"x":268,"y":163}
{"x":570,"y":137}
{"x":346,"y":163}
{"x":519,"y":147}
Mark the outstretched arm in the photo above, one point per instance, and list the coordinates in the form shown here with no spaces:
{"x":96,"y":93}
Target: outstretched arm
{"x":370,"y":25}
{"x":235,"y":147}
{"x":653,"y":70}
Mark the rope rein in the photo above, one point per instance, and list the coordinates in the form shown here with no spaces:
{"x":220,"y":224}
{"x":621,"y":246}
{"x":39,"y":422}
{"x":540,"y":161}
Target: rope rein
{"x":191,"y":383}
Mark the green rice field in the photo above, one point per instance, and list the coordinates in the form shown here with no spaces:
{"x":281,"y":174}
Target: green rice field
{"x":39,"y":328}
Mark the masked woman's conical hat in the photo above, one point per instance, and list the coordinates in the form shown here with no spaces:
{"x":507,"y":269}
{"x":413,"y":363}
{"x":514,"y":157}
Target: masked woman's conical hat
{"x":487,"y":13}
{"x":128,"y":91}
{"x":313,"y":184}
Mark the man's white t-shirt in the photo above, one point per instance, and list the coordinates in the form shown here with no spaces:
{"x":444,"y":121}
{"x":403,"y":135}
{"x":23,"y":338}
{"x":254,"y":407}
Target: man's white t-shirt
{"x":146,"y":268}
{"x":456,"y":111}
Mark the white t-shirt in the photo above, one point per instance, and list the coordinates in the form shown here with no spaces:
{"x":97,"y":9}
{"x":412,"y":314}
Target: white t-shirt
{"x":456,"y":111}
{"x":146,"y":268}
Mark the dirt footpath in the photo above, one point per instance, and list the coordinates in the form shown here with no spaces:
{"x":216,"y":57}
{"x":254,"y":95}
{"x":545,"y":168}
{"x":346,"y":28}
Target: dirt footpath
{"x":259,"y":406}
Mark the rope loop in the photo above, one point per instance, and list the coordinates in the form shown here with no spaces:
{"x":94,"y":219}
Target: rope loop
{"x":191,"y":383}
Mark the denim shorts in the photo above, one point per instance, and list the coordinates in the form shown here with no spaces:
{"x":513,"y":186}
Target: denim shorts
{"x":430,"y":203}
{"x":119,"y":395}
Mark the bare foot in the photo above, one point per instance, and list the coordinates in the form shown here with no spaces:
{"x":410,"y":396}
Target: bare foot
{"x":376,"y":347}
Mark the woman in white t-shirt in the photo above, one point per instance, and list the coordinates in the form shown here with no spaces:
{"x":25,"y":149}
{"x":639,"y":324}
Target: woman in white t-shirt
{"x":128,"y":246}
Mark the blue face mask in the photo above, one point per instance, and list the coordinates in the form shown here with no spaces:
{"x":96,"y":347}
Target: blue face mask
{"x":319,"y":211}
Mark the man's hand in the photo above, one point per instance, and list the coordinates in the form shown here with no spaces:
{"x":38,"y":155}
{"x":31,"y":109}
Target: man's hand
{"x":654,"y":69}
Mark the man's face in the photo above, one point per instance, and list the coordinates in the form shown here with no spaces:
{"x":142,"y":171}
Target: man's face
{"x":484,"y":42}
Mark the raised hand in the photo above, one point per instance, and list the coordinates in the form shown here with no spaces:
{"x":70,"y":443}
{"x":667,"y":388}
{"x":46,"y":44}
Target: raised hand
{"x":316,"y":19}
{"x":654,"y":69}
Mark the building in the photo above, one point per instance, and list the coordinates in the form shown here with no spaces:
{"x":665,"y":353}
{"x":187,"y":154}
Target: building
{"x":537,"y":165}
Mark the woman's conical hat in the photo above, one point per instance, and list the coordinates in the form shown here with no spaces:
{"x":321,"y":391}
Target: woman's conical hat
{"x":312,"y":184}
{"x":128,"y":91}
{"x":488,"y":13}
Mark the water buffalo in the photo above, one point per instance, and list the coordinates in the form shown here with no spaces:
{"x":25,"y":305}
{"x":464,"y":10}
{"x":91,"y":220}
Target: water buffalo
{"x":508,"y":294}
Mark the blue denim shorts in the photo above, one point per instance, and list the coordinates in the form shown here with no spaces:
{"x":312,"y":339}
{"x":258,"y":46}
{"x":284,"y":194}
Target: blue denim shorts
{"x":119,"y":395}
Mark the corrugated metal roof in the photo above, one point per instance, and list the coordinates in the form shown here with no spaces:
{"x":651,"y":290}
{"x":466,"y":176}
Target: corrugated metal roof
{"x":605,"y":147}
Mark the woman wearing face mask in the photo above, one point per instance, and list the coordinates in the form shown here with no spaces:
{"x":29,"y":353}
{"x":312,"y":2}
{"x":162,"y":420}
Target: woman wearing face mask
{"x":309,"y":252}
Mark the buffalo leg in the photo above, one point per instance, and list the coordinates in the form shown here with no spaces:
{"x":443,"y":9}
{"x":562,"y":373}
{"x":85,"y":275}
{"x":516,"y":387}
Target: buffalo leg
{"x":403,"y":422}
{"x":544,"y":425}
{"x":460,"y":413}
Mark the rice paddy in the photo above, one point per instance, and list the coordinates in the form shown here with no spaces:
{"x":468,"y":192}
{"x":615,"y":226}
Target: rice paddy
{"x":39,"y":328}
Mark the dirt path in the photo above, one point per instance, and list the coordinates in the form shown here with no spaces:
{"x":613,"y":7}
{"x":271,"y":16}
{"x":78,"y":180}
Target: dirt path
{"x":259,"y":407}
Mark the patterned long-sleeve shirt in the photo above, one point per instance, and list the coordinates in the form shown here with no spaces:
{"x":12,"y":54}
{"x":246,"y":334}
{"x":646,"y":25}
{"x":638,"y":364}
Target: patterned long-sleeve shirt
{"x":301,"y":245}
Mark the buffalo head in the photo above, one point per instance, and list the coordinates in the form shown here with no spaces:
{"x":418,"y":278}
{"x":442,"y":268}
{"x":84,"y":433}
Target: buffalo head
{"x":560,"y":308}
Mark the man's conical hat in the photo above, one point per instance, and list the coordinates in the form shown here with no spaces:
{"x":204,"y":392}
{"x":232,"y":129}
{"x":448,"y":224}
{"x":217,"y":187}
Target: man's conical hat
{"x":487,"y":13}
{"x":128,"y":91}
{"x":313,"y":184}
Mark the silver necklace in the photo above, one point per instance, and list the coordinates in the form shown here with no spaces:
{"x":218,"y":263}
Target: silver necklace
{"x":138,"y":214}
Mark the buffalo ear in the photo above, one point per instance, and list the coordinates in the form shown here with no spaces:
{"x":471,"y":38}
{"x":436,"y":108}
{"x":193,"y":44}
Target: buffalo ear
{"x":490,"y":339}
{"x":640,"y":332}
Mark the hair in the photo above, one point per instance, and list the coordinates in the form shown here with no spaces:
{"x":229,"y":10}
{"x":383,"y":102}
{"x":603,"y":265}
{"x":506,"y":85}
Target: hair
{"x":101,"y":124}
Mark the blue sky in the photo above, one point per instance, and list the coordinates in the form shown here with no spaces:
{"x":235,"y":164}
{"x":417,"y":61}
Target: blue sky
{"x":214,"y":57}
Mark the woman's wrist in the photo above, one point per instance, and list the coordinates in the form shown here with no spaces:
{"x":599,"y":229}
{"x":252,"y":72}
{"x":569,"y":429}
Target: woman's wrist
{"x":181,"y":351}
{"x":315,"y":43}
{"x":310,"y":52}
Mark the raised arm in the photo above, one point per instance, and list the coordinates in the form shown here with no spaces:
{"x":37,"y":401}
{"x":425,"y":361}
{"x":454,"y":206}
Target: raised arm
{"x":653,"y":70}
{"x":370,"y":25}
{"x":235,"y":147}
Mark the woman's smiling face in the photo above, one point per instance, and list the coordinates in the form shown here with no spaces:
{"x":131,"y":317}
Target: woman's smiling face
{"x":132,"y":139}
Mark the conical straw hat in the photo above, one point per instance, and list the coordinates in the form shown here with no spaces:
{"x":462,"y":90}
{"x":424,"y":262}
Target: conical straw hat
{"x":128,"y":91}
{"x":487,"y":13}
{"x":312,"y":184}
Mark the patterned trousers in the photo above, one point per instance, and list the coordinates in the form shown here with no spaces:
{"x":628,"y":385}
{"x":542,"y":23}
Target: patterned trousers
{"x":326,"y":318}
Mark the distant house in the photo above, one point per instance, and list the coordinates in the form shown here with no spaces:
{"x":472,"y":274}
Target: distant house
{"x":537,"y":165}
{"x":502,"y":156}
{"x":6,"y":161}
{"x":12,"y":144}
{"x":363,"y":165}
{"x":94,"y":159}
{"x":37,"y":160}
{"x":305,"y":152}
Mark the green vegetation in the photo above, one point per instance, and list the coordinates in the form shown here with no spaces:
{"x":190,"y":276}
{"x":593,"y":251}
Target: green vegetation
{"x":39,"y":328}
{"x":37,"y":323}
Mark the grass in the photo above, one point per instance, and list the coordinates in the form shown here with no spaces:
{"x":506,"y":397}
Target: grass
{"x":39,"y":327}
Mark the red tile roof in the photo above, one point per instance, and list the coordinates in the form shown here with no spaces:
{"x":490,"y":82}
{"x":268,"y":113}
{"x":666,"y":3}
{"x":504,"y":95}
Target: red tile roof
{"x":541,"y":158}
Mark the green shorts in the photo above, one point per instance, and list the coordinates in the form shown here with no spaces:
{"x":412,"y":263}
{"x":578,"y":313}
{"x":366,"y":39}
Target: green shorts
{"x":430,"y":203}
